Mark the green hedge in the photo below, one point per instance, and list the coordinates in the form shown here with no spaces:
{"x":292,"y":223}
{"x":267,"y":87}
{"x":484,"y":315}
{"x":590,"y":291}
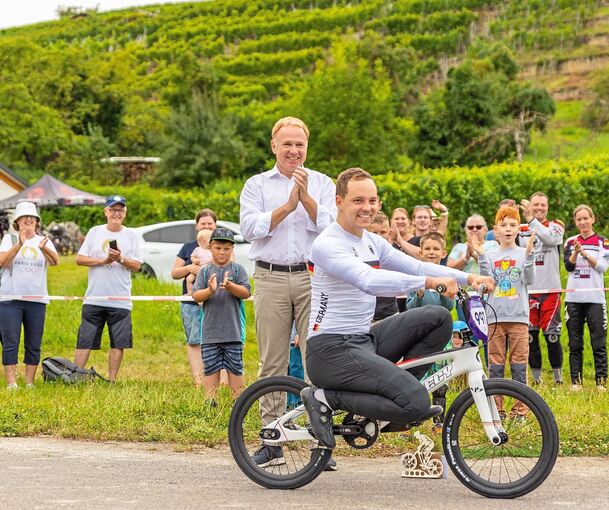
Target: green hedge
{"x":478,"y":190}
{"x":464,"y":190}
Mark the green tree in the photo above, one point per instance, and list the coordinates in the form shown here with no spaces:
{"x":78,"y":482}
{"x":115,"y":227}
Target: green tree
{"x":596,"y":113}
{"x":83,"y":159}
{"x":31,"y":133}
{"x":199,"y":145}
{"x":350,"y":110}
{"x":481,"y":115}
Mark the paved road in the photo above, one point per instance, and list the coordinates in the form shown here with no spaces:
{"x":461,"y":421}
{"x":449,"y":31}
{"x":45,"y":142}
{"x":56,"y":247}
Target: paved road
{"x":41,"y":473}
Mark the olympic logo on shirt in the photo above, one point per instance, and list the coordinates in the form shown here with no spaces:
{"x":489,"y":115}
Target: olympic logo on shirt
{"x":29,"y":252}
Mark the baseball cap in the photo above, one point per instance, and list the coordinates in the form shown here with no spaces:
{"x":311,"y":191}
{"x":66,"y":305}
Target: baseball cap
{"x":222,"y":234}
{"x":115,"y":199}
{"x":458,"y":326}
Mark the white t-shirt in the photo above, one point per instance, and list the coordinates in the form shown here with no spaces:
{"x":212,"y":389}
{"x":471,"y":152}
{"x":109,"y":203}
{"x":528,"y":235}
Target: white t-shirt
{"x":110,"y":279}
{"x":27,"y":274}
{"x":349,"y":271}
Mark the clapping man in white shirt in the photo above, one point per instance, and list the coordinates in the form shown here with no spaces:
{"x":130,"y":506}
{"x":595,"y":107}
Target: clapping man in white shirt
{"x":112,"y":254}
{"x":282,"y":211}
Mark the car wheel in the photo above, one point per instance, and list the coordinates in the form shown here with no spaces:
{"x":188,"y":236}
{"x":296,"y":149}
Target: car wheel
{"x":147,"y":271}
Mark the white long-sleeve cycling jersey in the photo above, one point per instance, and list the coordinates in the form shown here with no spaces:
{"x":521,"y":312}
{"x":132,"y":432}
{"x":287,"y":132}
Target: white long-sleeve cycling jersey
{"x":349,"y":272}
{"x":547,"y":245}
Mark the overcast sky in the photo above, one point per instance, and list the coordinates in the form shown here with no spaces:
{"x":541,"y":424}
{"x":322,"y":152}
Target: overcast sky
{"x":14,"y":13}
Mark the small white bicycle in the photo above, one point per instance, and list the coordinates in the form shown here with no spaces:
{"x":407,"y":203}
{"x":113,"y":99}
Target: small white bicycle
{"x":500,"y":438}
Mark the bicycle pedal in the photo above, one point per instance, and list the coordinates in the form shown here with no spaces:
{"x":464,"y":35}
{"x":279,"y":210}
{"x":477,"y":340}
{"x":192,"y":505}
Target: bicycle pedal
{"x":398,"y":427}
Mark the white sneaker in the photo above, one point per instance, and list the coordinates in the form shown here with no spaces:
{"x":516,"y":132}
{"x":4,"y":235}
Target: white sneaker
{"x":12,"y":387}
{"x":576,"y":387}
{"x":601,"y":387}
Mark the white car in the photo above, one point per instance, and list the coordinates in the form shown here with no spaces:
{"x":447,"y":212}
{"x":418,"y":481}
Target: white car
{"x":161,"y":242}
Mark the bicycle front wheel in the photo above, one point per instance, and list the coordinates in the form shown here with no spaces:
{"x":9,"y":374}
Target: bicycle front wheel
{"x":288,"y":465}
{"x":526,"y":456}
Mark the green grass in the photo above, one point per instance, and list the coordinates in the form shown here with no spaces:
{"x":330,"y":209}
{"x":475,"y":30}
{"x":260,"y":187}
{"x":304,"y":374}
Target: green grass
{"x":565,"y":137}
{"x":154,"y":399}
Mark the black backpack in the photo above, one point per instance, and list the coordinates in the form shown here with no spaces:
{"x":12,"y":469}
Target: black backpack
{"x":63,"y":370}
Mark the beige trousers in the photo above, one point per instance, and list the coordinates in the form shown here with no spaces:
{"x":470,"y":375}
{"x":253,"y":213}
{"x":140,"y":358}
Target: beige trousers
{"x":279,"y":299}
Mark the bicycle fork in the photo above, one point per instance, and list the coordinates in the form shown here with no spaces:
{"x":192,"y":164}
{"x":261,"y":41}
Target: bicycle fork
{"x":487,"y":408}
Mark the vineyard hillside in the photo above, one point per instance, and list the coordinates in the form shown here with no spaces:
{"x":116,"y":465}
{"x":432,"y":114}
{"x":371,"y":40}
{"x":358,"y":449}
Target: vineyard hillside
{"x":113,"y":78}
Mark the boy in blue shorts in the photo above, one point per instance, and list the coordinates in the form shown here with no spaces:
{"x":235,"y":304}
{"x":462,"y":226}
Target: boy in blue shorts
{"x":222,"y":286}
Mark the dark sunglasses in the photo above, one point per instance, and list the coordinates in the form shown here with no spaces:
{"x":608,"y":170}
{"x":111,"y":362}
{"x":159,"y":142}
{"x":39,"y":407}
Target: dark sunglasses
{"x":477,"y":227}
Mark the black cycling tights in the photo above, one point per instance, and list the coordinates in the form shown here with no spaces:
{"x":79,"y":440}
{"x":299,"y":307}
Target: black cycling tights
{"x":358,"y":372}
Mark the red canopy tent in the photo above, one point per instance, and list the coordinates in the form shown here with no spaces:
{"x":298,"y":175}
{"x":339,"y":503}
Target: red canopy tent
{"x":48,"y":192}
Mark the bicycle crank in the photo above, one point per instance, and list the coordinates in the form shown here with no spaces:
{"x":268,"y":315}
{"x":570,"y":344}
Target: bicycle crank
{"x":367,"y":431}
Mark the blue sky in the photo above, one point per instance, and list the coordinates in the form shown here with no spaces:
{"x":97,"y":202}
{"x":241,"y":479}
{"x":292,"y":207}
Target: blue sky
{"x":25,"y":12}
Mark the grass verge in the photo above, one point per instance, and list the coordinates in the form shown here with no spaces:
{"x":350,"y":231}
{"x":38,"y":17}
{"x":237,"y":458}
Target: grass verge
{"x":154,"y":399}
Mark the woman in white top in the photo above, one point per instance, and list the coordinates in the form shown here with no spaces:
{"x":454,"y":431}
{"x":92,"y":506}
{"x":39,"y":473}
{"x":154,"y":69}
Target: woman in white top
{"x":586,"y":257}
{"x":24,"y":259}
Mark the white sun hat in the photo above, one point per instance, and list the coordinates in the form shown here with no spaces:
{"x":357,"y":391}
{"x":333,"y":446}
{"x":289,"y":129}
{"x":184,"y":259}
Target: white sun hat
{"x":25,"y":209}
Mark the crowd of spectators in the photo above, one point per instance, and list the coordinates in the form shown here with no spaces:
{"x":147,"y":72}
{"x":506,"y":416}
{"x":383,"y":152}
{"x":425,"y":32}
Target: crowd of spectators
{"x":282,"y":211}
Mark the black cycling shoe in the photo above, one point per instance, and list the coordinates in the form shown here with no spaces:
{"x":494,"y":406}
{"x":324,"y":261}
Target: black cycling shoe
{"x":320,"y":416}
{"x":431,"y":412}
{"x":402,"y":427}
{"x":331,"y":465}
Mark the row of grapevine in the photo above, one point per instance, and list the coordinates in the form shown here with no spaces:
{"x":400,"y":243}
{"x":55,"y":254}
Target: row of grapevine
{"x":527,"y":7}
{"x":569,"y":17}
{"x":432,"y":6}
{"x":414,"y":23}
{"x":287,"y":41}
{"x":558,"y":39}
{"x":434,"y":44}
{"x":269,"y":63}
{"x":272,"y":84}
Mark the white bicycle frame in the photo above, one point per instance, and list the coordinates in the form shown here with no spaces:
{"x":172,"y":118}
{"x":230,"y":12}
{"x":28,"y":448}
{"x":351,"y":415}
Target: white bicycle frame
{"x":464,"y":360}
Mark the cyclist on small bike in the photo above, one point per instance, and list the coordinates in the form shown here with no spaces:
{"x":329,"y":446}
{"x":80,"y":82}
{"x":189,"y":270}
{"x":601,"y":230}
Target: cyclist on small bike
{"x":353,"y":362}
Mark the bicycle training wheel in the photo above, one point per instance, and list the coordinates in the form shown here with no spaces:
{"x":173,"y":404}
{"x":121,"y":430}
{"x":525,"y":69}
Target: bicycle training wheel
{"x":288,"y":465}
{"x":524,"y":459}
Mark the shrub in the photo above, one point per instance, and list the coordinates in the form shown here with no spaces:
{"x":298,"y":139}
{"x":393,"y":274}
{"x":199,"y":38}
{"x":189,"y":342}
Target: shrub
{"x":466,"y":190}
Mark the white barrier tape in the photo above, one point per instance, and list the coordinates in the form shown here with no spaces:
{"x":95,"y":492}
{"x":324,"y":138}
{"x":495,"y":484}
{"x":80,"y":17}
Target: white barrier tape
{"x":96,"y":298}
{"x":4,"y":297}
{"x":554,"y":291}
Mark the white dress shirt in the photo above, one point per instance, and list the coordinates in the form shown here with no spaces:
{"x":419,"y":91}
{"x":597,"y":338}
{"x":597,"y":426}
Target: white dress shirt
{"x":290,"y":242}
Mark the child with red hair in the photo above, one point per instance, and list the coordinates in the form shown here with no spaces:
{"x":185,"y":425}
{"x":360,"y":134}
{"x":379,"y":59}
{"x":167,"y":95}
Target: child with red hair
{"x":513,"y":269}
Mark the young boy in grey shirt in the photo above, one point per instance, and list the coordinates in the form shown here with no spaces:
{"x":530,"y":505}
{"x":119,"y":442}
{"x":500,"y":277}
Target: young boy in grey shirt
{"x":222,"y":286}
{"x":513,"y":269}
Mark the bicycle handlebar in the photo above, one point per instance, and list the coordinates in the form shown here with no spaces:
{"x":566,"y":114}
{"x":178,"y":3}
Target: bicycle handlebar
{"x":441,"y":288}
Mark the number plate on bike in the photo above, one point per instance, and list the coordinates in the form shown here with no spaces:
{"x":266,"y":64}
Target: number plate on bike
{"x":477,"y":318}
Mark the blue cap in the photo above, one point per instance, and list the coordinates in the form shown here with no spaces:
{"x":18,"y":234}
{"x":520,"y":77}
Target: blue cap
{"x":459,"y":326}
{"x":116,"y":199}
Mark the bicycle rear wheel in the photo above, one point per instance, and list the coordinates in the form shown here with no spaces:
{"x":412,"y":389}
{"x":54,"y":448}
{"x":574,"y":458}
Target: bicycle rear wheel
{"x":524,"y":459}
{"x":300,"y":461}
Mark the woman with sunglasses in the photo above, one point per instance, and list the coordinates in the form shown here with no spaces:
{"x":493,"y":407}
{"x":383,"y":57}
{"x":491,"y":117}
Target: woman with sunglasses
{"x":463,"y":256}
